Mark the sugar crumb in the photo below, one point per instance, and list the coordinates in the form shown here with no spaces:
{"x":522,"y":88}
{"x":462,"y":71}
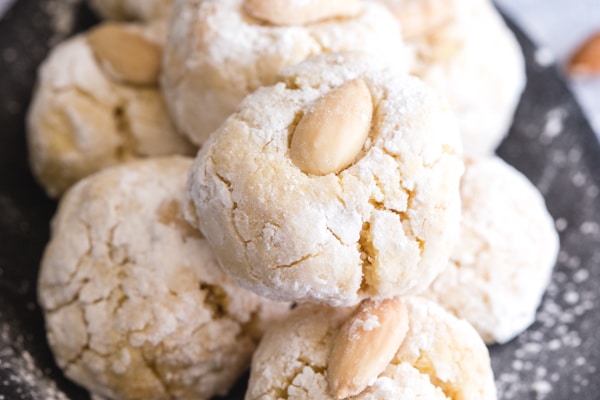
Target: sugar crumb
{"x":544,"y":57}
{"x":554,"y":125}
{"x":19,"y":368}
{"x":561,"y":224}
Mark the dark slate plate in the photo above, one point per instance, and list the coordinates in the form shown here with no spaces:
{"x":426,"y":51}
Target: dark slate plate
{"x":558,"y":358}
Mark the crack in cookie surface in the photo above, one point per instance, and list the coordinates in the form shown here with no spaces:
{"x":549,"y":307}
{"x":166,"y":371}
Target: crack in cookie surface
{"x":146,"y":308}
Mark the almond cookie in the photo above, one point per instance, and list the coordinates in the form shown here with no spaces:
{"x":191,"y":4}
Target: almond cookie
{"x":97,"y":104}
{"x":407,"y":348}
{"x":465,"y":51}
{"x":139,"y":10}
{"x":339,"y":182}
{"x":135,"y":305}
{"x":218,"y":51}
{"x":505,"y":255}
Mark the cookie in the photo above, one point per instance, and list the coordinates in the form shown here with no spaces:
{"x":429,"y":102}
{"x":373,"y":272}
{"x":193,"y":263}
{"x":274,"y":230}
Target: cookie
{"x":372,"y":209}
{"x":505,"y":255}
{"x":218,"y":51}
{"x":134,"y":303}
{"x":97,"y":104}
{"x":421,"y":17}
{"x":320,"y":352}
{"x":465,"y":51}
{"x":138,"y":10}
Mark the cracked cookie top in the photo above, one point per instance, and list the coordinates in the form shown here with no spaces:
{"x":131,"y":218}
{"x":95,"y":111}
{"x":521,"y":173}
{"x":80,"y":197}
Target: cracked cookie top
{"x":134,"y":303}
{"x":438,"y":356}
{"x":381,"y":226}
{"x":97,"y":104}
{"x":507,"y":248}
{"x":139,"y":10}
{"x":218,"y":52}
{"x":464,"y":50}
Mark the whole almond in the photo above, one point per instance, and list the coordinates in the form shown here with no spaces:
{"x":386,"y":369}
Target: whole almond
{"x":365,"y":345}
{"x":329,"y":137}
{"x":586,"y":60}
{"x":126,"y":56}
{"x":278,"y":12}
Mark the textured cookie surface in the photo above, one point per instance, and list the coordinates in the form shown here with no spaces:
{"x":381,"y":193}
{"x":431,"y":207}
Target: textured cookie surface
{"x":440,"y":357}
{"x":141,"y":10}
{"x":382,"y":226}
{"x":217,"y":53}
{"x":134,"y":303}
{"x":465,"y":51}
{"x":84,"y":115}
{"x":505,"y":255}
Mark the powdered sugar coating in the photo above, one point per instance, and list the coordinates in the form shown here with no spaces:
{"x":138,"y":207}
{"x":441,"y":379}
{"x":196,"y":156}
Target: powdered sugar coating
{"x":81,"y":121}
{"x":384,"y":226}
{"x":216,"y":54}
{"x":441,"y":358}
{"x":465,"y":51}
{"x":420,"y":17}
{"x":505,"y":255}
{"x":134,"y":302}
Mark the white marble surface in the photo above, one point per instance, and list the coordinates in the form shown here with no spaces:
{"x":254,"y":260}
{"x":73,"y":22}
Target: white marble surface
{"x":556,"y":25}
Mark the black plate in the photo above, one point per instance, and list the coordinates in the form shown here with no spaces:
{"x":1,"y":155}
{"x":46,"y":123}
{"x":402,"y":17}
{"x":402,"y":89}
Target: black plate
{"x":558,"y":358}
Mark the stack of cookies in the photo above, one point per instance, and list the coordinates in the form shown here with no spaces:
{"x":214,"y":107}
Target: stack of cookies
{"x":344,"y":228}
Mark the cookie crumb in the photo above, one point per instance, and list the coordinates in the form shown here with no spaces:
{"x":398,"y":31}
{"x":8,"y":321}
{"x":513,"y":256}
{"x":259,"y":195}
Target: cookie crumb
{"x":544,"y":57}
{"x":554,"y":125}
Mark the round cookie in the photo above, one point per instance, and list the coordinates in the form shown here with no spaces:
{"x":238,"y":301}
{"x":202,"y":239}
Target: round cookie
{"x":139,"y":10}
{"x":134,"y":303}
{"x":218,"y":51}
{"x":434,"y":356}
{"x":504,"y":258}
{"x":97,"y":104}
{"x":382,"y":226}
{"x":465,"y":51}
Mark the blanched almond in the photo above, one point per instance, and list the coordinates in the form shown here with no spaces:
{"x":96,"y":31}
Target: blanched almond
{"x":332,"y":133}
{"x":365,"y":345}
{"x":303,"y":12}
{"x":125,"y":55}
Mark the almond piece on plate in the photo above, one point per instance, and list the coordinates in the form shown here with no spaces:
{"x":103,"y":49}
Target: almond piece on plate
{"x":586,"y":60}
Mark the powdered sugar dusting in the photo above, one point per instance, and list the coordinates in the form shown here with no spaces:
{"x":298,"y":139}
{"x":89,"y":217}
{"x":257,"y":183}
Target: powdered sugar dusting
{"x":20,"y":370}
{"x":554,"y":343}
{"x":553,"y":125}
{"x":557,"y":357}
{"x":544,"y":57}
{"x":370,"y":323}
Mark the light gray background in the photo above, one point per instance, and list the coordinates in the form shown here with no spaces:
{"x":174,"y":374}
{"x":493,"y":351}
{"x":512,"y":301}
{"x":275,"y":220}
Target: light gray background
{"x":559,"y":26}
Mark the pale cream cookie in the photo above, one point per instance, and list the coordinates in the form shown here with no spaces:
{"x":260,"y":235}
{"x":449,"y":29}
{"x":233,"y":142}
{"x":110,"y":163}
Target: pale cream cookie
{"x":134,"y":303}
{"x":97,"y":104}
{"x":339,"y":182}
{"x":218,"y":51}
{"x":505,"y":255}
{"x":402,"y":348}
{"x":465,"y":51}
{"x":138,"y":10}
